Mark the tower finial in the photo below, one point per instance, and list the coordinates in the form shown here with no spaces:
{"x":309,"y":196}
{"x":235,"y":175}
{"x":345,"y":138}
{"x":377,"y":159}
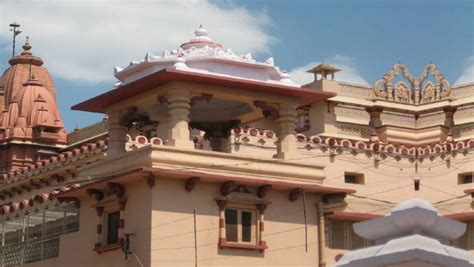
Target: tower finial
{"x":14,"y":28}
{"x":27,"y":45}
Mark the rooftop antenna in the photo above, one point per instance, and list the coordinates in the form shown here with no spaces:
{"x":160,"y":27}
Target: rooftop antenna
{"x":14,"y":28}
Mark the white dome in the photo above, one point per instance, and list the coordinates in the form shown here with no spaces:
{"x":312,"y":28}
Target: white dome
{"x":412,"y":203}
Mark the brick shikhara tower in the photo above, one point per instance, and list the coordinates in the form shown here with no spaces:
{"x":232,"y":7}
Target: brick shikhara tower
{"x":31,"y":127}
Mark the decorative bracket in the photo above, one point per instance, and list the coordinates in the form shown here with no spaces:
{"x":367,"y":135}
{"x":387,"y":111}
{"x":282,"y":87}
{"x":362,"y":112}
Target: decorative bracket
{"x":295,"y":194}
{"x":267,"y":110}
{"x":76,"y":201}
{"x":263,"y":190}
{"x":227,"y":187}
{"x":58,"y":178}
{"x":191,"y":183}
{"x":334,"y":197}
{"x":150,"y":179}
{"x":202,"y":97}
{"x":116,"y":188}
{"x":99,"y":195}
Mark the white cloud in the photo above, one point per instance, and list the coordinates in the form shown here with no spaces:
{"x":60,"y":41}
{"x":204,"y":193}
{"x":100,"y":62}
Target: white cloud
{"x":468,"y":75}
{"x":84,"y":40}
{"x":348,"y":74}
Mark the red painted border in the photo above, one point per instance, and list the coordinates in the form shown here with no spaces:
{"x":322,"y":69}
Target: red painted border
{"x":107,"y":248}
{"x":261,"y":247}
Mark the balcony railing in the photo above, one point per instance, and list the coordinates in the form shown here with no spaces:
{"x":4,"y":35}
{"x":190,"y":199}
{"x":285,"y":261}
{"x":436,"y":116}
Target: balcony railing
{"x":36,"y":236}
{"x":30,"y":251}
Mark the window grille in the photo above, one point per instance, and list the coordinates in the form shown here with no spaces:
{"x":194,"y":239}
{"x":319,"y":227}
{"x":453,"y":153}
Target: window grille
{"x":466,"y":241}
{"x":342,"y":236}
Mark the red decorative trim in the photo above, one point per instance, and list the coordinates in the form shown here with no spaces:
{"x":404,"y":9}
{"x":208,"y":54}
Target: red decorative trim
{"x":261,"y":246}
{"x":221,"y":223}
{"x":261,"y":226}
{"x":464,"y":216}
{"x":106,"y":248}
{"x":97,"y":245}
{"x":350,"y":216}
{"x":99,"y":229}
{"x":122,"y":224}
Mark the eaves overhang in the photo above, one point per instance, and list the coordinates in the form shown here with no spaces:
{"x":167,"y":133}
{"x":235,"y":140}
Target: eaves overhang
{"x":152,"y":81}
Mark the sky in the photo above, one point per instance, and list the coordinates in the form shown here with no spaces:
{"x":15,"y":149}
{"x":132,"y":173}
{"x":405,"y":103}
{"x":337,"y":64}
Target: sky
{"x":82,"y":41}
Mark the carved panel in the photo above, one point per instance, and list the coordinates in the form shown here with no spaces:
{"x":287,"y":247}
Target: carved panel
{"x":464,"y":91}
{"x":355,"y":130}
{"x":355,"y":91}
{"x":398,"y":119}
{"x":427,"y":120}
{"x":462,"y":132}
{"x":347,"y":113}
{"x":417,"y":91}
{"x":464,"y":115}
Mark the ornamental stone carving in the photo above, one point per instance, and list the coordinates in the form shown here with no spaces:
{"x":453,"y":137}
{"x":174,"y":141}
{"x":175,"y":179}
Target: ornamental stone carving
{"x":417,"y":90}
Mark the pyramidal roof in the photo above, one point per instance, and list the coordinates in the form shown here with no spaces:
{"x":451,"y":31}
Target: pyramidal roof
{"x":201,"y":54}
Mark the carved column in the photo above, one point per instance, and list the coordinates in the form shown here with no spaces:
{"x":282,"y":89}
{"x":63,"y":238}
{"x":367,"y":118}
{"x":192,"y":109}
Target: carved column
{"x":389,"y":90}
{"x":374,"y":113}
{"x":286,"y":144}
{"x":117,"y":134}
{"x":449,"y":117}
{"x":178,"y":109}
{"x":417,"y":90}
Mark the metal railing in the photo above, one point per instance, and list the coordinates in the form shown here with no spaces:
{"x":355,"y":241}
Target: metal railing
{"x":30,"y":251}
{"x":35,"y":237}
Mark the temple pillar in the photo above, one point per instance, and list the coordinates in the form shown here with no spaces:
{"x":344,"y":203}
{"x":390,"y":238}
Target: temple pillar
{"x":178,"y":109}
{"x":286,"y":144}
{"x":375,"y":113}
{"x":117,"y":134}
{"x":449,"y":116}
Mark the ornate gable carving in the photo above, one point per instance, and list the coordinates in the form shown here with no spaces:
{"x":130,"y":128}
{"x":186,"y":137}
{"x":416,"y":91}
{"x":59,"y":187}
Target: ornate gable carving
{"x":418,"y":90}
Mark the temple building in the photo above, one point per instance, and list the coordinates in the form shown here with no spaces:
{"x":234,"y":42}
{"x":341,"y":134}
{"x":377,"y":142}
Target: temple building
{"x":209,"y":158}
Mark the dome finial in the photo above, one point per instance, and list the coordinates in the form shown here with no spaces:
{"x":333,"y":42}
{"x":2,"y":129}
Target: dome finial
{"x":27,"y":45}
{"x":200,"y":31}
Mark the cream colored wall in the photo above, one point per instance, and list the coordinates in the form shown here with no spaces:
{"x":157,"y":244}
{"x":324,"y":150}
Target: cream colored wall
{"x":76,"y":249}
{"x":173,"y":238}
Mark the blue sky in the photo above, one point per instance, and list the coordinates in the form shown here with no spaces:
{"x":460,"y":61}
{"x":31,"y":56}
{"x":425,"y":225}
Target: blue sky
{"x":364,"y":37}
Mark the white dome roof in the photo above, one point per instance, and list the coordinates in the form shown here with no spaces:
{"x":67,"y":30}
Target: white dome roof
{"x":412,"y":203}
